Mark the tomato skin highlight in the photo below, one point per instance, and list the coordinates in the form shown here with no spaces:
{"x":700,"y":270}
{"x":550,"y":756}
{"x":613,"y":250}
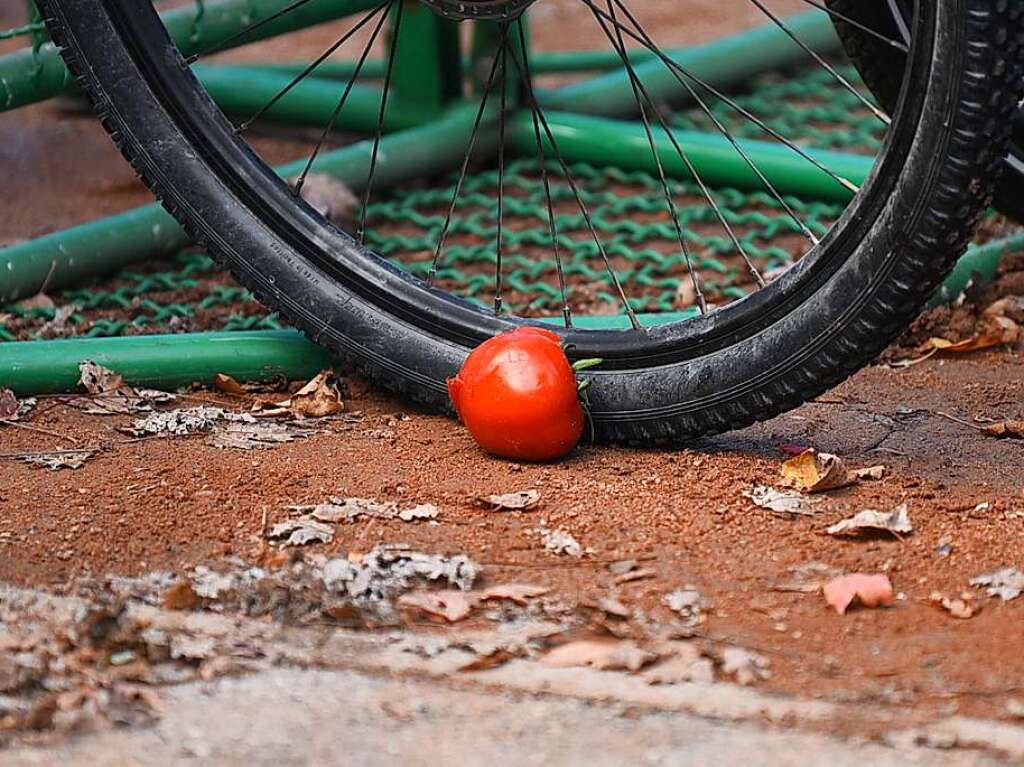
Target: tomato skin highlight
{"x":517,"y":395}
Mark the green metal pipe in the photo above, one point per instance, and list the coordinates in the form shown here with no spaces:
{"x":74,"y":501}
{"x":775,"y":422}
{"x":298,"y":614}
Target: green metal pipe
{"x":29,"y":76}
{"x":978,"y":266}
{"x":723,"y":63}
{"x":555,"y":62}
{"x":605,"y":142}
{"x":165,"y":362}
{"x":82,"y":252}
{"x":243,"y":91}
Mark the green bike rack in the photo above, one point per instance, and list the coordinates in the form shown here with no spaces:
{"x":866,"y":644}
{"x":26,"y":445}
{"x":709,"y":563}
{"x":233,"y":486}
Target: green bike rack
{"x":30,"y":75}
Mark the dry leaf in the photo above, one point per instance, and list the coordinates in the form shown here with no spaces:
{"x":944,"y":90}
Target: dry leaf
{"x":519,"y":593}
{"x":249,"y":436}
{"x":622,"y":566}
{"x":871,"y":472}
{"x":779,"y":501}
{"x":181,"y":596}
{"x":612,"y":606}
{"x":896,"y":522}
{"x":560,"y":542}
{"x":1006,"y":430}
{"x":348,"y":510}
{"x":330,"y":197}
{"x":814,"y":472}
{"x":499,"y":657}
{"x":962,"y":607}
{"x":59,"y":459}
{"x":423,"y":511}
{"x":452,"y":606}
{"x":635,"y":575}
{"x":1007,"y":583}
{"x":602,"y":655}
{"x":745,"y":666}
{"x":807,"y":578}
{"x":689,"y":603}
{"x":521,"y":501}
{"x":225,"y":383}
{"x":686,"y":295}
{"x":318,"y":398}
{"x":8,"y":405}
{"x":868,"y":590}
{"x":685,"y":663}
{"x":38,"y":301}
{"x":999,"y":331}
{"x":301,"y":532}
{"x":97,"y":379}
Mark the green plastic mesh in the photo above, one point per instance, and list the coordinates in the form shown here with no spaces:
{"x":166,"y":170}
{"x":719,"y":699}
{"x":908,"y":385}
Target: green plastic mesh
{"x":628,"y":209}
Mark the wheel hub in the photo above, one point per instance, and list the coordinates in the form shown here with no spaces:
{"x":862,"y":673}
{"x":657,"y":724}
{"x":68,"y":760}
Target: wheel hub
{"x":479,"y":10}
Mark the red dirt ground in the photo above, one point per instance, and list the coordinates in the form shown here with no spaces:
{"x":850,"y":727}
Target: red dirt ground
{"x":171,"y":503}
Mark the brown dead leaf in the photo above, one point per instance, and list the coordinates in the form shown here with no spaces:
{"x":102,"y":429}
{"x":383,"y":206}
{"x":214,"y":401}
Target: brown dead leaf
{"x":521,"y":501}
{"x":806,"y":578}
{"x":8,"y":405}
{"x":686,"y":295}
{"x":685,"y":663}
{"x":225,"y":383}
{"x":868,"y":590}
{"x":38,"y":301}
{"x":780,"y":502}
{"x":59,"y":459}
{"x":814,"y":472}
{"x":896,"y":522}
{"x":871,"y":472}
{"x":499,"y":657}
{"x":745,"y":666}
{"x":318,"y":398}
{"x":181,"y":596}
{"x":451,"y":606}
{"x":599,"y":654}
{"x":962,"y":607}
{"x":520,"y":593}
{"x":1006,"y":430}
{"x":997,"y":331}
{"x":96,"y":379}
{"x":635,"y":575}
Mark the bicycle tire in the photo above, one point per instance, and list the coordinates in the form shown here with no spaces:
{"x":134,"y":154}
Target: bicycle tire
{"x":827,"y":317}
{"x":876,"y":61}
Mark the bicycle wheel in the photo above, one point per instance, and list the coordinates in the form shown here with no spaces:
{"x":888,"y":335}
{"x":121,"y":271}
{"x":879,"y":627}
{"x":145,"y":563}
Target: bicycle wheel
{"x":851,"y":288}
{"x":877,"y":60}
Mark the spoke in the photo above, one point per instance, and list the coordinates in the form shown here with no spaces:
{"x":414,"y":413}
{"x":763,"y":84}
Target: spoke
{"x":525,"y":74}
{"x":329,"y":128}
{"x":248,"y":30}
{"x":673,"y":65}
{"x":901,"y":22}
{"x":640,"y":93}
{"x":823,"y":63}
{"x":443,"y":238}
{"x":314,"y":64}
{"x":552,"y":221}
{"x":399,"y":5}
{"x":502,"y":117}
{"x":720,"y":126}
{"x":898,"y":45}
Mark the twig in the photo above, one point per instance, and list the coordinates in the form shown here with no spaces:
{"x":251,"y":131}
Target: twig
{"x":41,"y":430}
{"x":960,"y":421}
{"x":35,"y":453}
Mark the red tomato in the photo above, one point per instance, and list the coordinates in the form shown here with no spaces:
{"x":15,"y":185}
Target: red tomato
{"x":518,"y":397}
